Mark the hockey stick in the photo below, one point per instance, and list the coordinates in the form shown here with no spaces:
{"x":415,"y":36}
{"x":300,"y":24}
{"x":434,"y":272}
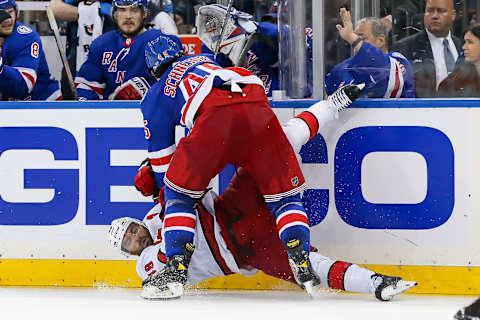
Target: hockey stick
{"x":222,"y":34}
{"x":63,"y":56}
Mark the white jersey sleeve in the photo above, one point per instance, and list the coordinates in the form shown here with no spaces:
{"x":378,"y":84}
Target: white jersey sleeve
{"x":151,"y":261}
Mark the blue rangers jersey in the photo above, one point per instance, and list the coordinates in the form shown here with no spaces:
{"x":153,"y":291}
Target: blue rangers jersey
{"x":385,"y":75}
{"x":25,"y":74}
{"x":112,"y":60}
{"x":175,"y":99}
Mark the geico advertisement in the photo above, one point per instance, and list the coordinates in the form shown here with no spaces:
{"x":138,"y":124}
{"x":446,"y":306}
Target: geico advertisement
{"x":386,"y":186}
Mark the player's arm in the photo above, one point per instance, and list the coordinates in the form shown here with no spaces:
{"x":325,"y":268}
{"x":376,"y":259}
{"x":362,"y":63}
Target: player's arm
{"x":152,"y":260}
{"x":90,"y":80}
{"x":18,"y":79}
{"x":64,"y":11}
{"x":159,"y":125}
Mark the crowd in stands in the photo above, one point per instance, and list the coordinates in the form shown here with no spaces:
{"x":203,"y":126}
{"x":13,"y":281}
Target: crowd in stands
{"x":396,"y":58}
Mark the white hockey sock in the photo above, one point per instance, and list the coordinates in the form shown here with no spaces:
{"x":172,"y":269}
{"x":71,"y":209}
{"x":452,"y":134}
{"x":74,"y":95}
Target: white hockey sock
{"x":306,"y":125}
{"x":341,"y":275}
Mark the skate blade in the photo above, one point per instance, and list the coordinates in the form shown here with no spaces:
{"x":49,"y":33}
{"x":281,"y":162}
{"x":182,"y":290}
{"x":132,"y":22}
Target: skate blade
{"x":311,"y":289}
{"x":173,"y":291}
{"x":389,"y":292}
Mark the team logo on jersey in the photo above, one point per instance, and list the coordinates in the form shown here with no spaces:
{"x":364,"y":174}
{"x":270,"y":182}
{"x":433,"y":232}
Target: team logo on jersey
{"x":88,"y":29}
{"x":34,"y":50}
{"x":24,"y":30}
{"x":295,"y":181}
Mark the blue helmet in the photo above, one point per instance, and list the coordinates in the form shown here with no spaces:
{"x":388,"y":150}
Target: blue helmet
{"x":128,"y":3}
{"x":6,"y":4}
{"x":161,"y":51}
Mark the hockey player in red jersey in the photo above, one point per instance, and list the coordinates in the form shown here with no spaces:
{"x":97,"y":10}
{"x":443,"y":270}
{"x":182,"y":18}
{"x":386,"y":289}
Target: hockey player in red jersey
{"x":236,"y":233}
{"x":230,"y":122}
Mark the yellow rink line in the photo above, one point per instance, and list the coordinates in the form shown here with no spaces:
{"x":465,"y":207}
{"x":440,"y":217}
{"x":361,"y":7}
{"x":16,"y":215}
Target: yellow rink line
{"x":118,"y":273}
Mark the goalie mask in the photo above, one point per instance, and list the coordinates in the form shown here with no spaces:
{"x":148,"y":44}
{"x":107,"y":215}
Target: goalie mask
{"x":238,"y":28}
{"x":117,"y":231}
{"x":161,"y":53}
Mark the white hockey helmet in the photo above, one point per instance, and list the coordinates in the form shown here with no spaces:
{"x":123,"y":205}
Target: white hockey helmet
{"x":239,"y":27}
{"x":117,"y":231}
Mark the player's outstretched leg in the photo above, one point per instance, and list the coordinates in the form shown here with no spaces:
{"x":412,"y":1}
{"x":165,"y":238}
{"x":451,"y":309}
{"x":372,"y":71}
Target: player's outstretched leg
{"x":345,"y":96}
{"x":387,"y":287}
{"x":471,"y":312}
{"x":307,"y":124}
{"x":168,"y":284}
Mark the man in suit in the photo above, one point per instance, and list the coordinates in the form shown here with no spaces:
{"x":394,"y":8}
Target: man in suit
{"x":433,"y":51}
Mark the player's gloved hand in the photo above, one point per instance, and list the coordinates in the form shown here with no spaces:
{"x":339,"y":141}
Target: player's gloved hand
{"x":132,"y":89}
{"x":145,"y":182}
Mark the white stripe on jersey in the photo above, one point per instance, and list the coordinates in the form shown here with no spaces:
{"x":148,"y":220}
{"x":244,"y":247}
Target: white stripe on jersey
{"x":94,"y":85}
{"x":162,"y":153}
{"x":29,"y":76}
{"x":191,"y":106}
{"x":395,"y":74}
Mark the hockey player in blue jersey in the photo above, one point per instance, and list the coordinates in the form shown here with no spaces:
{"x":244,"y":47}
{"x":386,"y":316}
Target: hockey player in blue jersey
{"x":231,"y":121}
{"x":24,"y":73}
{"x":115,"y":68}
{"x":385,"y":74}
{"x":247,"y":43}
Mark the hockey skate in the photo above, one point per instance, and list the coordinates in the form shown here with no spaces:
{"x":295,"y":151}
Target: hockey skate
{"x":345,"y":96}
{"x":301,"y":267}
{"x":472,"y":312}
{"x":168,"y":284}
{"x":387,"y":287}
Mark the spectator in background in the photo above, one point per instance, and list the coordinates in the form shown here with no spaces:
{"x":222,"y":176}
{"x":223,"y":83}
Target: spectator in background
{"x":386,"y":75}
{"x":87,"y":20}
{"x":115,"y":68}
{"x":24,"y":73}
{"x":434,"y":51}
{"x":161,"y":12}
{"x":464,"y":81}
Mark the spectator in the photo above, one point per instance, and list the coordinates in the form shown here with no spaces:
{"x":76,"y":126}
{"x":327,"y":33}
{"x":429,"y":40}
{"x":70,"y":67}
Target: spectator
{"x":434,"y":51}
{"x":94,"y":19}
{"x":117,"y":57}
{"x":464,"y":81}
{"x":386,"y":75}
{"x":24,"y":73}
{"x":161,"y":12}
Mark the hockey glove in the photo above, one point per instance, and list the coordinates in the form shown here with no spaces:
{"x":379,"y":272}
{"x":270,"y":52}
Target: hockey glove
{"x":133,"y":89}
{"x":145,"y":182}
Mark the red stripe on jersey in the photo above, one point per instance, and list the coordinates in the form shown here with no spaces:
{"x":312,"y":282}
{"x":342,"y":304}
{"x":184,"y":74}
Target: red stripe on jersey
{"x":311,"y":122}
{"x":291,"y":217}
{"x":161,"y":161}
{"x":207,"y":223}
{"x":189,"y":102}
{"x":179,"y":221}
{"x":161,"y":257}
{"x":241,"y":71}
{"x":96,"y":89}
{"x":210,"y":66}
{"x":29,"y":76}
{"x":397,"y":83}
{"x":336,"y":275}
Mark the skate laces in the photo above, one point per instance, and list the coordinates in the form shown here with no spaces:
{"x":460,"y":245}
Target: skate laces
{"x":339,"y":99}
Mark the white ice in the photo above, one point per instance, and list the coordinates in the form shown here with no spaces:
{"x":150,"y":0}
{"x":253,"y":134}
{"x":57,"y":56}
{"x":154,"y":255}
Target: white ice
{"x":112,"y":304}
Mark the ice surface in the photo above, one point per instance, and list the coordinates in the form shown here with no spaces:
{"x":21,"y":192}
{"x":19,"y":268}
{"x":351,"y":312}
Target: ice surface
{"x":112,"y":304}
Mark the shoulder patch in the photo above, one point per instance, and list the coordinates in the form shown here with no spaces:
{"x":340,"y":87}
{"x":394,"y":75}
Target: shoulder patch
{"x":398,"y":55}
{"x":24,"y":30}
